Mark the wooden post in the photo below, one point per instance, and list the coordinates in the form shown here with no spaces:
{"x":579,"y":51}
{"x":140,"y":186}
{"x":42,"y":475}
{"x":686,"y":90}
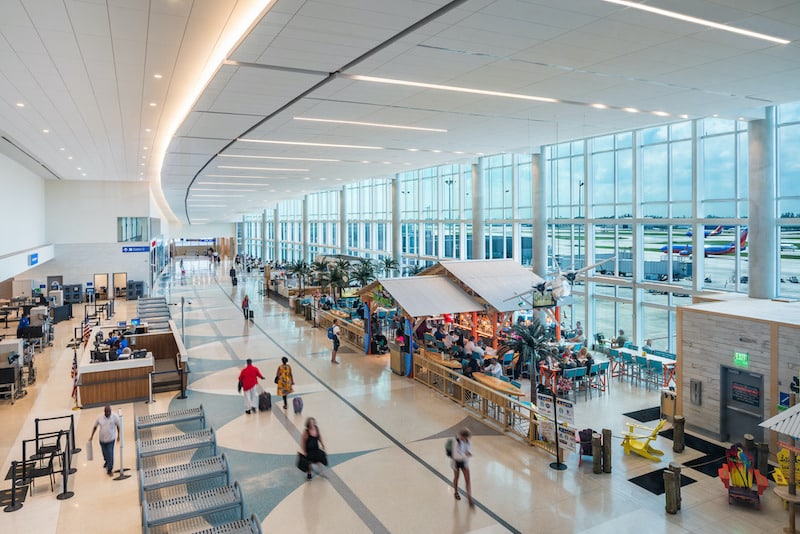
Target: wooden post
{"x":597,"y":454}
{"x":676,"y":468}
{"x":750,"y":444}
{"x":763,"y":457}
{"x":669,"y":492}
{"x":678,"y":440}
{"x":606,"y":450}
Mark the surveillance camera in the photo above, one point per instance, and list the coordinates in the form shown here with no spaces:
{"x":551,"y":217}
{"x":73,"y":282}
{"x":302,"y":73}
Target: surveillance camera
{"x":188,"y":301}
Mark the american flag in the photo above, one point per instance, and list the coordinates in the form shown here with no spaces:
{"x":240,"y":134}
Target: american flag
{"x":75,"y":375}
{"x":87,"y":329}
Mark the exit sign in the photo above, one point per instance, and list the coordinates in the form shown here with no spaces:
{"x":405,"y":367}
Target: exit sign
{"x":741,"y":359}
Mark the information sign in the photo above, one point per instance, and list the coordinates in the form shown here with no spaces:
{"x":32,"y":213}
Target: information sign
{"x":566,"y":436}
{"x":140,"y":248}
{"x":566,"y":411}
{"x":545,"y":404}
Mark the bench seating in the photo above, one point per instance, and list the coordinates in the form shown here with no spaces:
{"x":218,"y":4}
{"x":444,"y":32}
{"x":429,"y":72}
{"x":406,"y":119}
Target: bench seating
{"x":182,"y":442}
{"x":162,"y":477}
{"x":250,"y":525}
{"x":155,"y":513}
{"x":170,"y":418}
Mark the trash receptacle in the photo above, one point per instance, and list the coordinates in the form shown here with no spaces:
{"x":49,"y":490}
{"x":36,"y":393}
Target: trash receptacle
{"x":668,"y":404}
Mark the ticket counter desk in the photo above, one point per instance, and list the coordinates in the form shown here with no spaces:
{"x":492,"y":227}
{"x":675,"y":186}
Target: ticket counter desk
{"x":108,"y":382}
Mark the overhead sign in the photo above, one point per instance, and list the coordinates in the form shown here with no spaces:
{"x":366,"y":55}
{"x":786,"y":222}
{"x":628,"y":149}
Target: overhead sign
{"x":33,"y":259}
{"x":140,"y":248}
{"x":741,"y":359}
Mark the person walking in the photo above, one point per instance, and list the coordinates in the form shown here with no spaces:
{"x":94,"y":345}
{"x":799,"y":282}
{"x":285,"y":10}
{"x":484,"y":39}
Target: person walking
{"x":248,"y":377}
{"x":284,"y":380}
{"x":312,"y":446}
{"x":461,"y":453}
{"x":335,"y":331}
{"x":246,"y":306}
{"x":109,"y":433}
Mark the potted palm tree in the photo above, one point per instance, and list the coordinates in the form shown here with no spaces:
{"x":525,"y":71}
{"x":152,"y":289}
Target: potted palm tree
{"x":388,"y":265}
{"x":414,"y":270}
{"x":530,"y":343}
{"x":363,"y":272}
{"x":301,"y":270}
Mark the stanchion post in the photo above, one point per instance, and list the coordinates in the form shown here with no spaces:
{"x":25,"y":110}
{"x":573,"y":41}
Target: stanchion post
{"x":75,"y":450}
{"x":557,"y":465}
{"x":122,"y":475}
{"x":64,"y":495}
{"x":150,"y":388}
{"x":14,"y":505}
{"x":183,"y":386}
{"x":606,"y":450}
{"x":68,"y":455}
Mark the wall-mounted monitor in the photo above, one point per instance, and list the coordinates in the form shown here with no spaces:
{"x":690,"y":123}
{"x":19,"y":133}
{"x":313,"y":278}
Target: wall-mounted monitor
{"x":122,"y":324}
{"x":136,"y":321}
{"x":543,"y":300}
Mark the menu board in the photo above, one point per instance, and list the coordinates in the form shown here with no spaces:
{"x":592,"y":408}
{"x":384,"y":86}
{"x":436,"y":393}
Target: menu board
{"x":566,"y":436}
{"x":566,"y":411}
{"x":545,"y":405}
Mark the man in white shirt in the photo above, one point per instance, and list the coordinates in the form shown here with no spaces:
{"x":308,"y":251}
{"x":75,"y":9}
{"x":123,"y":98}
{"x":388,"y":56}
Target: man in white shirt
{"x":494,"y":368}
{"x":109,"y":433}
{"x":469,"y":347}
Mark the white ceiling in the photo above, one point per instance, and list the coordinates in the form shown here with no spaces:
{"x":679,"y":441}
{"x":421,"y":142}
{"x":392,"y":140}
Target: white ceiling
{"x":84,"y":70}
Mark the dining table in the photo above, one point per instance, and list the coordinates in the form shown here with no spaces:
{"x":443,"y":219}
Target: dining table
{"x":668,"y":364}
{"x":498,"y":385}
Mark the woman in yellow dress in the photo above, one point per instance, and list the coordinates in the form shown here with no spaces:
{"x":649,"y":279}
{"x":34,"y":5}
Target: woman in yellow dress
{"x":284,"y":380}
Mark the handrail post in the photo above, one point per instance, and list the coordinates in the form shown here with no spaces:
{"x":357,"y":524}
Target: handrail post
{"x":64,"y":495}
{"x":183,"y":387}
{"x":150,"y":387}
{"x":75,"y":450}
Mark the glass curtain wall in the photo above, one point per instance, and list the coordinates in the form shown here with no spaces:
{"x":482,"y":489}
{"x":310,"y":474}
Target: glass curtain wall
{"x":290,"y":231}
{"x":788,"y":198}
{"x":323,"y":223}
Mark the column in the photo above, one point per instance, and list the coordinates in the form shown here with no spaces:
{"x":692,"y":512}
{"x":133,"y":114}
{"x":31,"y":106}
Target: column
{"x":304,"y":226}
{"x":277,"y":242}
{"x":478,"y":215}
{"x":539,"y":260}
{"x":342,"y":221}
{"x":397,"y":236}
{"x":762,"y":242}
{"x":264,"y":235}
{"x":698,"y":229}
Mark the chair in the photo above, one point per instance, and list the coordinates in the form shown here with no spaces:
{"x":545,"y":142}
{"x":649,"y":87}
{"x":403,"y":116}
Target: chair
{"x":516,"y":384}
{"x":577,"y":378}
{"x":505,"y":379}
{"x":640,"y":443}
{"x":655,"y":371}
{"x":617,"y":363}
{"x":738,"y":475}
{"x":508,"y":359}
{"x":598,"y":376}
{"x":584,"y":442}
{"x":642,"y":368}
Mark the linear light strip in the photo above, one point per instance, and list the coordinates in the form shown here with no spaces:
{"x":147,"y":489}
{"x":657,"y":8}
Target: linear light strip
{"x":696,"y":20}
{"x":229,"y":183}
{"x":298,"y":143}
{"x":277,"y":158}
{"x":375,"y":124}
{"x":452,"y":88}
{"x":260,"y":168}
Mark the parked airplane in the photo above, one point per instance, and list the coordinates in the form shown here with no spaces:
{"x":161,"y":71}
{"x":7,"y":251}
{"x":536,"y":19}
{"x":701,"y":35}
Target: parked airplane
{"x":710,"y":250}
{"x":715,"y":231}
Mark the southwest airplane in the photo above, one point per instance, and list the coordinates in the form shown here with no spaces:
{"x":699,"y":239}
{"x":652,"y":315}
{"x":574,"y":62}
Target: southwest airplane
{"x":710,"y":250}
{"x":715,"y":231}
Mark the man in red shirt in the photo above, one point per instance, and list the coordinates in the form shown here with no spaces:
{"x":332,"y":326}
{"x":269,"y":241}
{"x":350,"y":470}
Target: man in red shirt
{"x":249,"y":379}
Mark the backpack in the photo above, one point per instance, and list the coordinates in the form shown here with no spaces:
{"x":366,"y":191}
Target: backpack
{"x":330,"y":332}
{"x":448,"y":448}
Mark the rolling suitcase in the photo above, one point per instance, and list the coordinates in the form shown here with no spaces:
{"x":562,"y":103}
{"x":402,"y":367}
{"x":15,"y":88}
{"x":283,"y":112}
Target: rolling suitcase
{"x":264,"y":402}
{"x":251,"y":314}
{"x":234,"y":282}
{"x":297,"y":404}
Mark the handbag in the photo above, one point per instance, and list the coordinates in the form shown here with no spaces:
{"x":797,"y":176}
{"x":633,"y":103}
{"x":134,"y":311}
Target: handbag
{"x":276,"y":379}
{"x":239,"y":387}
{"x":302,"y":462}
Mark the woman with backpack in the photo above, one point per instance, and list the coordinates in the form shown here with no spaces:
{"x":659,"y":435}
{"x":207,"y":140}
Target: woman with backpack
{"x":460,"y":453}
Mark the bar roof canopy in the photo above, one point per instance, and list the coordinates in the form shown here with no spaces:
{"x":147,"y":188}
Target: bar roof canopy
{"x":493,"y":281}
{"x":421,"y":296}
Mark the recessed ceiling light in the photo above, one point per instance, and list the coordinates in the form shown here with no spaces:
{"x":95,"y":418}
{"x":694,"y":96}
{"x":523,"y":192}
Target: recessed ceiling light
{"x":375,"y":124}
{"x":661,"y":113}
{"x":20,"y":104}
{"x":69,"y":157}
{"x":218,"y":196}
{"x":452,"y":88}
{"x":260,"y":168}
{"x":696,"y":20}
{"x":630,"y":110}
{"x":148,"y":130}
{"x":338,"y":179}
{"x":145,"y":148}
{"x":142,"y":164}
{"x":307,"y":178}
{"x":413,"y":150}
{"x":61,"y":149}
{"x":684,"y":116}
{"x":364,"y":161}
{"x":152,"y":104}
{"x":45,"y":131}
{"x":322,"y":179}
{"x":251,"y":184}
{"x":741,"y":118}
{"x":599,"y":106}
{"x":298,"y":143}
{"x":715,"y":115}
{"x":157,"y":76}
{"x":436,"y":151}
{"x":78,"y":168}
{"x":222,"y":189}
{"x":458,"y":152}
{"x":386,"y":162}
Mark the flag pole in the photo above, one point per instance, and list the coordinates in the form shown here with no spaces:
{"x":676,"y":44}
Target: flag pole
{"x":75,"y":378}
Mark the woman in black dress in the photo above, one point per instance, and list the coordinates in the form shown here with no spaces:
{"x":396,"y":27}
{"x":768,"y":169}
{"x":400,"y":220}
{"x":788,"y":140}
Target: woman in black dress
{"x":313,"y":447}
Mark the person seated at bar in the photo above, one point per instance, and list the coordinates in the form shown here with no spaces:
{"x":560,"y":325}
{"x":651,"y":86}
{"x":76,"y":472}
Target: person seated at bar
{"x":493,"y":368}
{"x":470,"y":365}
{"x":577,"y":336}
{"x":620,"y":340}
{"x":648,"y":346}
{"x":582,"y":355}
{"x":439,"y":334}
{"x":448,"y":343}
{"x":568,"y":360}
{"x":469,"y":346}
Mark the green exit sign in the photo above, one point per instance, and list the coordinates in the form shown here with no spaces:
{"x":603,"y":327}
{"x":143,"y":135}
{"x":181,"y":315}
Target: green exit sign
{"x":741,"y":359}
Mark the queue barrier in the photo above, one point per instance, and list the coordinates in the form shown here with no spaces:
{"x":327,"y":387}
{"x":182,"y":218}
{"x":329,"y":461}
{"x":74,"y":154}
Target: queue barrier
{"x":517,"y":418}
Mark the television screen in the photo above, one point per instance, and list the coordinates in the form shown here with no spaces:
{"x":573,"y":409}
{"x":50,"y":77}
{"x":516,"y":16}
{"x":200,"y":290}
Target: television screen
{"x":543,"y":300}
{"x":135,"y":321}
{"x":122,"y":323}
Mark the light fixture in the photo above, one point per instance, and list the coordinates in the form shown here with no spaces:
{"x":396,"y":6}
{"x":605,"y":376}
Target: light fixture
{"x":684,"y":116}
{"x":599,"y":106}
{"x":221,"y":189}
{"x":45,"y":131}
{"x":84,"y":174}
{"x":413,"y":150}
{"x":152,"y":104}
{"x":375,"y":124}
{"x":231,"y":183}
{"x":145,"y":148}
{"x":20,"y":104}
{"x":298,"y":143}
{"x":276,"y":157}
{"x":260,"y":168}
{"x":69,"y":157}
{"x":696,"y":20}
{"x":157,"y":76}
{"x":148,"y":130}
{"x":661,"y":113}
{"x":452,"y":88}
{"x":630,"y":110}
{"x":61,"y":149}
{"x":217,"y":196}
{"x":249,"y":177}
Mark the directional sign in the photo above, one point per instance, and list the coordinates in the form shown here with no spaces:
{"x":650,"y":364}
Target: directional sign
{"x":144,"y":248}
